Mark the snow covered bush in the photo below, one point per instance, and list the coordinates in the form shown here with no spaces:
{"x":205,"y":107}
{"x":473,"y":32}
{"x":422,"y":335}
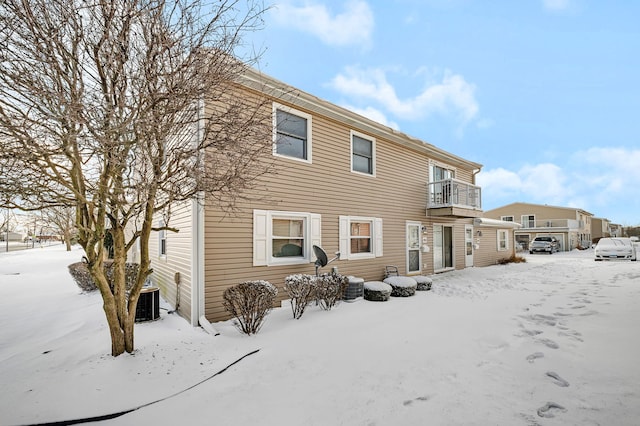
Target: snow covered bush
{"x":402,"y":286}
{"x":249,"y":302}
{"x":329,"y":289}
{"x":82,"y":277}
{"x":377,"y":291}
{"x":80,"y":273}
{"x":301,"y":290}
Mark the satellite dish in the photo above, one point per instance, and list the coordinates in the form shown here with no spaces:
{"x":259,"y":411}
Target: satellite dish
{"x":321,"y":257}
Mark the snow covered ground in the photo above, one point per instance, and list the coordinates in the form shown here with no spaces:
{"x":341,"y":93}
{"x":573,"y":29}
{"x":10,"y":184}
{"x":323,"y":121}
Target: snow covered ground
{"x":504,"y":345}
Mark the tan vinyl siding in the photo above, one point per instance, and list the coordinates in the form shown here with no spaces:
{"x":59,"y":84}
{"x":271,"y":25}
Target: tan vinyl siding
{"x":178,"y":258}
{"x":488,"y":243}
{"x":327,"y":187}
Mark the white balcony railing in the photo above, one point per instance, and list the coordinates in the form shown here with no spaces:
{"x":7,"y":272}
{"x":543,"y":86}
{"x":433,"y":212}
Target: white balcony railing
{"x":453,"y":193}
{"x":554,"y":223}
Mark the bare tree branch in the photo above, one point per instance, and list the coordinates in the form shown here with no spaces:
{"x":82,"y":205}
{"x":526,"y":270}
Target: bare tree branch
{"x":120,"y":109}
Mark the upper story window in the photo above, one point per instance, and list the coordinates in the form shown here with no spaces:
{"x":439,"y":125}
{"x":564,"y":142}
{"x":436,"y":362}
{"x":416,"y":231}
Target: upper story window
{"x":507,"y":218}
{"x":360,"y":237}
{"x":284,"y":238}
{"x":362,"y":154}
{"x":528,"y":221}
{"x":292,"y":133}
{"x":438,"y":173}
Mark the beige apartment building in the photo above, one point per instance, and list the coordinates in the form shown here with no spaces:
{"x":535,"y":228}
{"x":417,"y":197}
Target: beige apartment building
{"x":343,"y":182}
{"x":571,"y":226}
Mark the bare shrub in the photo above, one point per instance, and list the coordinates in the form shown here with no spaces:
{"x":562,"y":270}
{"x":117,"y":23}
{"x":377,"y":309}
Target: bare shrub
{"x":513,"y":259}
{"x":249,"y":302}
{"x":301,"y":290}
{"x":329,"y":289}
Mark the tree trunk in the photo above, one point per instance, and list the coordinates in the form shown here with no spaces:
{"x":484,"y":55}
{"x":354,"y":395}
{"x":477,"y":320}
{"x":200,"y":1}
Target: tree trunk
{"x":67,"y":239}
{"x":109,"y":306}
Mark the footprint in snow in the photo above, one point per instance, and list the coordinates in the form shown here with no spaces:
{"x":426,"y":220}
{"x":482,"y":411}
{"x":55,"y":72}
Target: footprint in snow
{"x":549,"y":343}
{"x":550,"y":409}
{"x":557,"y":379}
{"x":420,"y":398}
{"x":534,"y":356}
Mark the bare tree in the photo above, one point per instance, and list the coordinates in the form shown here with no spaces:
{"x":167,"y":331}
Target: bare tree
{"x":61,"y":218}
{"x":122,"y":108}
{"x":5,"y":220}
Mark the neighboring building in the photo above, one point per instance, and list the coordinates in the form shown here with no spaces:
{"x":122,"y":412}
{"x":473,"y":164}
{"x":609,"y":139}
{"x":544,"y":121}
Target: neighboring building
{"x":600,"y":228}
{"x":344,"y":183}
{"x":616,"y":230}
{"x":570,"y":225}
{"x":13,"y":236}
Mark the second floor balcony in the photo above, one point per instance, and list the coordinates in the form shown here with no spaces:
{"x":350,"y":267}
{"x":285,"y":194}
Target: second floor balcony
{"x":564,"y":224}
{"x":451,"y":197}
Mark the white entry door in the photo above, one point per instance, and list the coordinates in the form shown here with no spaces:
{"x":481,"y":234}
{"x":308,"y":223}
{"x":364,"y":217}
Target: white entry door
{"x":413,"y":247}
{"x":468,"y":246}
{"x":442,"y":247}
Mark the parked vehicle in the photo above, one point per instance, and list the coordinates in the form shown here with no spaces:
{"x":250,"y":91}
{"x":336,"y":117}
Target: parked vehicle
{"x":544,"y":245}
{"x":616,"y":248}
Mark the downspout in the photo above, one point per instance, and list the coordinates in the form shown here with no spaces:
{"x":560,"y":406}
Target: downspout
{"x":473,"y":176}
{"x":473,"y":182}
{"x":197,"y":227}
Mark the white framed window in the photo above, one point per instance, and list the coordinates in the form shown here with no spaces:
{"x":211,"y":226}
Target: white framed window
{"x":162,"y":240}
{"x":291,"y":133}
{"x":363,"y":154}
{"x":528,"y":221}
{"x":440,"y":187}
{"x":360,"y":237}
{"x":503,"y":240}
{"x":438,"y":172}
{"x":507,"y":218}
{"x":284,"y":238}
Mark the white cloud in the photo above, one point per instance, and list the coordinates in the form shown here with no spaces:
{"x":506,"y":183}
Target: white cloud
{"x":499,"y":182}
{"x":612,"y":170}
{"x":541,"y":183}
{"x":453,"y":96}
{"x":353,"y":26}
{"x":373,"y":114}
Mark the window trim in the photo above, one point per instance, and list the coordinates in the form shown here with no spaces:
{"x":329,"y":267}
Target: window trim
{"x":301,"y":114}
{"x":504,"y":232}
{"x":162,"y":240}
{"x":371,"y":139}
{"x":345,"y":237}
{"x":263,"y":237}
{"x":432,"y":166}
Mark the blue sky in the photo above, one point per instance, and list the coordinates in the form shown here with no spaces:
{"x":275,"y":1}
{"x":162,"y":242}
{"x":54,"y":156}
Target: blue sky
{"x":544,"y":93}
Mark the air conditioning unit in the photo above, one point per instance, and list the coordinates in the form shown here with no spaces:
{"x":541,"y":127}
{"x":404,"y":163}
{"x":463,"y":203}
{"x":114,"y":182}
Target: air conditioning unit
{"x":148,"y":307}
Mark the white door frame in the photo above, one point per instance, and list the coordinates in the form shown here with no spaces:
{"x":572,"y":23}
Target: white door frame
{"x":468,"y":246}
{"x":413,"y":232}
{"x":439,"y":256}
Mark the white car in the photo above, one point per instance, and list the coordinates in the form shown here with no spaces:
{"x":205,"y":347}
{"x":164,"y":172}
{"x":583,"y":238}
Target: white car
{"x":615,"y":248}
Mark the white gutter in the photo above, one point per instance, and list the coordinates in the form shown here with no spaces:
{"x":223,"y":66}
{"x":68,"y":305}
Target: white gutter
{"x":483,"y":221}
